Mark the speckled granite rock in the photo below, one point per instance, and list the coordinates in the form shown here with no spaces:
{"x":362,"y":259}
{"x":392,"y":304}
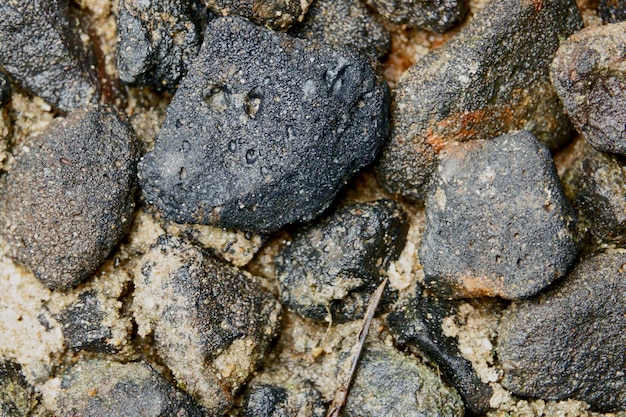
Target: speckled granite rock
{"x":588,"y":73}
{"x":97,"y":387}
{"x":489,"y":79}
{"x":275,"y":14}
{"x":158,"y":40}
{"x":334,"y":266}
{"x":595,"y":183}
{"x":69,"y":197}
{"x":437,"y":16}
{"x":571,"y":341}
{"x":347,"y":23}
{"x":497,"y":220}
{"x":264,"y":130}
{"x":417,"y":321}
{"x":387,"y":383}
{"x":40,"y":48}
{"x":211,"y":322}
{"x":612,"y":11}
{"x":264,"y":400}
{"x":17,"y":397}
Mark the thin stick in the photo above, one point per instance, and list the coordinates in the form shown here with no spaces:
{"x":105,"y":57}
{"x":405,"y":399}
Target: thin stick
{"x":341,"y":395}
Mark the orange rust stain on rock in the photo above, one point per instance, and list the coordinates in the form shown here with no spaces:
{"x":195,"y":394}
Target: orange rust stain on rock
{"x":472,"y":286}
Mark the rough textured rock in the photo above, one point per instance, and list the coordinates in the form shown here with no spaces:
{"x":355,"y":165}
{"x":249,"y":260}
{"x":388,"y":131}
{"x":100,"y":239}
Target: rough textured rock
{"x":334,"y":266}
{"x":417,"y":321}
{"x":589,"y":75}
{"x":211,"y":322}
{"x":595,"y":183}
{"x":69,"y":197}
{"x":489,"y":79}
{"x":264,"y":130}
{"x":436,"y":16}
{"x":264,"y":400}
{"x":347,"y":23}
{"x":40,"y":48}
{"x":612,"y":11}
{"x":17,"y":397}
{"x":158,"y":40}
{"x":570,"y":342}
{"x":5,"y":90}
{"x":95,"y":388}
{"x":388,"y":384}
{"x":275,"y":14}
{"x":497,"y":220}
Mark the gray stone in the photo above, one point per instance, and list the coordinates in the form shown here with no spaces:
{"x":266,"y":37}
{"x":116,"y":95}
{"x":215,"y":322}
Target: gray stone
{"x":417,"y":321}
{"x":264,"y":130}
{"x":334,"y":266}
{"x":70,"y":196}
{"x":490,"y":79}
{"x":347,"y":23}
{"x":436,"y":16}
{"x":40,"y":48}
{"x":158,"y":40}
{"x":17,"y":397}
{"x":265,"y":400}
{"x":589,"y":75}
{"x":211,"y":322}
{"x":5,"y":90}
{"x":389,"y":384}
{"x":612,"y":11}
{"x":274,"y":14}
{"x":571,"y":341}
{"x":99,"y":388}
{"x":595,"y":183}
{"x":497,"y":220}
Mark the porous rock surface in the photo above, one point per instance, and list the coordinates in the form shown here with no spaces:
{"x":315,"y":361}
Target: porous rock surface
{"x":211,"y":322}
{"x":275,"y":14}
{"x":612,"y":11}
{"x":436,"y":16}
{"x":99,"y":387}
{"x":69,"y":198}
{"x":264,"y":130}
{"x":334,"y":266}
{"x":570,"y":342}
{"x":158,"y":40}
{"x":497,"y":220}
{"x":491,"y":78}
{"x":40,"y":47}
{"x":344,"y":22}
{"x":588,"y":73}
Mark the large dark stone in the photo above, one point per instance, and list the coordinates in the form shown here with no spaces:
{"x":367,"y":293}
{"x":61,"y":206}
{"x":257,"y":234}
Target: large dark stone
{"x":40,"y":48}
{"x":497,"y":220}
{"x":589,"y":75}
{"x":334,"y":267}
{"x":264,"y":130}
{"x":98,"y":388}
{"x":211,"y":322}
{"x":158,"y":40}
{"x":70,"y":196}
{"x":571,"y":341}
{"x":437,"y":15}
{"x":490,"y":79}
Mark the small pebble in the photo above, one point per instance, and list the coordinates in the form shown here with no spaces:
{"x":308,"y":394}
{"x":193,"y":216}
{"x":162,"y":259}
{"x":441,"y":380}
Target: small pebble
{"x":571,"y":341}
{"x":69,"y":198}
{"x":274,"y":14}
{"x":497,"y":221}
{"x":436,"y":16}
{"x":17,"y":397}
{"x":265,"y":400}
{"x":589,"y":75}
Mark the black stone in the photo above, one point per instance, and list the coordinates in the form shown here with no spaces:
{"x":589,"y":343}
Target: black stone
{"x":417,"y":322}
{"x":436,"y":16}
{"x":497,"y":220}
{"x":17,"y":397}
{"x":612,"y":11}
{"x":40,"y":48}
{"x":98,"y":388}
{"x":589,"y":76}
{"x":347,"y":23}
{"x":334,"y":266}
{"x":69,"y":198}
{"x":571,"y":341}
{"x":5,"y":90}
{"x":265,"y":400}
{"x":83,"y":326}
{"x":488,"y":80}
{"x":274,"y":14}
{"x":158,"y":40}
{"x":264,"y":130}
